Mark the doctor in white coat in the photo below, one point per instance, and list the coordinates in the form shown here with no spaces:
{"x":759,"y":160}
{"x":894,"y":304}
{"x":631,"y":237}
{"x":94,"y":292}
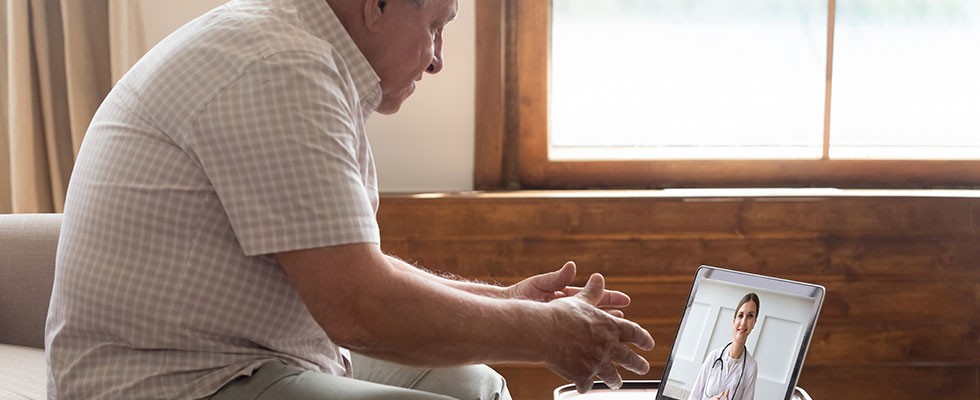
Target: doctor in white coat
{"x":729,"y":372}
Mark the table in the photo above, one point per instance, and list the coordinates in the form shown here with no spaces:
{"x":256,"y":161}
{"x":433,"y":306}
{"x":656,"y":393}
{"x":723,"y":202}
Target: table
{"x":632,"y":390}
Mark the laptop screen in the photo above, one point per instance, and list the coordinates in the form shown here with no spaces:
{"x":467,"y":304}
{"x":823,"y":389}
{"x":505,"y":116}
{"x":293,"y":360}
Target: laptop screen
{"x":741,"y":334}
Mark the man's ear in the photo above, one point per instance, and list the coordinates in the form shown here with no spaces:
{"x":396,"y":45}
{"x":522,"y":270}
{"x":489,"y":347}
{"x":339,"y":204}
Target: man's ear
{"x":373,"y":11}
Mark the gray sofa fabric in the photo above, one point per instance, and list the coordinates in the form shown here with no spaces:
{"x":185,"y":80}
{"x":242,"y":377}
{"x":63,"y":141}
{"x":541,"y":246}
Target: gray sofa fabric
{"x":28,"y":243}
{"x":22,"y":373}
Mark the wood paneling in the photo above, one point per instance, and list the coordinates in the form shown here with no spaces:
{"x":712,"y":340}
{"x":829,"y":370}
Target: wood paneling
{"x":901,"y":319}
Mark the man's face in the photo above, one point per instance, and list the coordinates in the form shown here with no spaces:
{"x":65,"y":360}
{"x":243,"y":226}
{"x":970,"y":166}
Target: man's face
{"x":410,"y":45}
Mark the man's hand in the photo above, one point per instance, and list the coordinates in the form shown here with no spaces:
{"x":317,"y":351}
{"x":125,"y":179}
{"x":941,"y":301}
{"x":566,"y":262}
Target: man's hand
{"x":591,"y":343}
{"x":554,"y":285}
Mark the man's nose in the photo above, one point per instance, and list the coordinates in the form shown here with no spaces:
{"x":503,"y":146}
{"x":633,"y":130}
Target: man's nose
{"x":436,"y":65}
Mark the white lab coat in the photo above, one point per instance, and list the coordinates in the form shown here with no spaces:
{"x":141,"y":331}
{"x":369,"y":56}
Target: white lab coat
{"x":730,"y":376}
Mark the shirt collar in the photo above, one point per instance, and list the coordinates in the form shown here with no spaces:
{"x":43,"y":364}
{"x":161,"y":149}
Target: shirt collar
{"x":322,"y":22}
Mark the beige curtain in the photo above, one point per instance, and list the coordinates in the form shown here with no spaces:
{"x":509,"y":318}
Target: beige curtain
{"x":5,"y":206}
{"x":127,"y":36}
{"x":57,"y":71}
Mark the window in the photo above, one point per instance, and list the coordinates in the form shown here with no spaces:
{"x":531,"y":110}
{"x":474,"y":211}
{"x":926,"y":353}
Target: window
{"x":905,"y":80}
{"x":724,"y":93}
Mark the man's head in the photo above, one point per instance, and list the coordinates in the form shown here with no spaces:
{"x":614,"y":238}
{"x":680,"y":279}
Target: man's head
{"x":402,"y":39}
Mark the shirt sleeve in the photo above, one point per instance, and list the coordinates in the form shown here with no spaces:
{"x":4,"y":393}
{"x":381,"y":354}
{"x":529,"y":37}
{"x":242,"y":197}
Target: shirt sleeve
{"x":280,"y":145}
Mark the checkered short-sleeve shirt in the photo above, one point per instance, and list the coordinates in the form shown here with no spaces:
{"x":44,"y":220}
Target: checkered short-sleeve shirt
{"x":239,"y":136}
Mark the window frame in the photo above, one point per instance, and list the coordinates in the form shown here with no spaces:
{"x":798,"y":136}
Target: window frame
{"x":512,"y":129}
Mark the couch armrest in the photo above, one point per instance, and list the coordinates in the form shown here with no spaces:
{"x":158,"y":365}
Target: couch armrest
{"x":28,"y":243}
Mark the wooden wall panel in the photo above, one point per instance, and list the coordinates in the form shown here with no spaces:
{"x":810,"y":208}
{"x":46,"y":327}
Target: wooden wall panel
{"x":902,"y":315}
{"x":863,"y":382}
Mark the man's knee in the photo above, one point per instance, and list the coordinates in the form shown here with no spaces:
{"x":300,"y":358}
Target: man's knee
{"x":494,"y":385}
{"x":471,"y":382}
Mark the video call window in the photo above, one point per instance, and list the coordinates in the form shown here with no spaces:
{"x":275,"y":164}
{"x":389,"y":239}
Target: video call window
{"x":775,"y":336}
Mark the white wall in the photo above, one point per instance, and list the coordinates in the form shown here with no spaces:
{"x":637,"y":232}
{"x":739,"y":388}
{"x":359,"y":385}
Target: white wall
{"x":426,"y":146}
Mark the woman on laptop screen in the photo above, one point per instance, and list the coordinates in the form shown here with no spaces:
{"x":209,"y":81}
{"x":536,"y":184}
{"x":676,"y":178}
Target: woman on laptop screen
{"x":729,"y":372}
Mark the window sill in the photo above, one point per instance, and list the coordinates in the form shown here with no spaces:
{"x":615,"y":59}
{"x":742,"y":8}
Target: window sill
{"x":693,"y":194}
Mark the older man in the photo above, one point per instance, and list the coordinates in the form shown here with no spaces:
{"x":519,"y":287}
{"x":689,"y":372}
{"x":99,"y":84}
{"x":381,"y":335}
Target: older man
{"x":220,"y":237}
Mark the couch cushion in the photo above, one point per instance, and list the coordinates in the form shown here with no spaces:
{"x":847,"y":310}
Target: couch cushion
{"x":22,"y":373}
{"x":28,"y":243}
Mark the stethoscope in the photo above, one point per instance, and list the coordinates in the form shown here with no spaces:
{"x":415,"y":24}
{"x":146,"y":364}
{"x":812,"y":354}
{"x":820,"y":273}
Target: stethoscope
{"x":718,"y":378}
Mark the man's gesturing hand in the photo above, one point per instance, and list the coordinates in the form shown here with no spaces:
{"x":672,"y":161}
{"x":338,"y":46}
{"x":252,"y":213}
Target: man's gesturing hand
{"x":554,"y":285}
{"x":590,"y":343}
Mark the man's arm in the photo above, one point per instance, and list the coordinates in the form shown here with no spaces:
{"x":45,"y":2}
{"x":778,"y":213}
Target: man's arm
{"x":482,"y":289}
{"x":365,"y":302}
{"x":542,"y":287}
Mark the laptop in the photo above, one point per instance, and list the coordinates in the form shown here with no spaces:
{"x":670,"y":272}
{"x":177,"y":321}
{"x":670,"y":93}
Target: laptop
{"x":786,"y":315}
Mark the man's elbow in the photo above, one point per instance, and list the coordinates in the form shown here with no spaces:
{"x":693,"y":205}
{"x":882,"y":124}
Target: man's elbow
{"x":354,"y":329}
{"x":340,"y":286}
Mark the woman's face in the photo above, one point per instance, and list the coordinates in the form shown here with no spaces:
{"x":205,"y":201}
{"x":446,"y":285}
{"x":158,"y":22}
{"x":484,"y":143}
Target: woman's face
{"x":744,"y":321}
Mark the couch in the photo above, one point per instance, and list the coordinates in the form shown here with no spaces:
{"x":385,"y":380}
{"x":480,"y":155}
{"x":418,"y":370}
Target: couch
{"x":27,"y":249}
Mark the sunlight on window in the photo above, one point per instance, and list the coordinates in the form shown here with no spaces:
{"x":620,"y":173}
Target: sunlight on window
{"x":669,"y":79}
{"x":745,"y":79}
{"x":906,"y":80}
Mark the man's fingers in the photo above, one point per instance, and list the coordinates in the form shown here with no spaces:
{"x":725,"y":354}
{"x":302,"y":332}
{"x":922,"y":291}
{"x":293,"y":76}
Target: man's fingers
{"x":584,"y":385}
{"x":616,"y":313}
{"x":615,"y":298}
{"x":557,"y":280}
{"x":626,"y":358}
{"x":610,"y":376}
{"x":568,"y":269}
{"x":610,"y":299}
{"x":554,"y":281}
{"x":631,"y":332}
{"x":593,"y":290}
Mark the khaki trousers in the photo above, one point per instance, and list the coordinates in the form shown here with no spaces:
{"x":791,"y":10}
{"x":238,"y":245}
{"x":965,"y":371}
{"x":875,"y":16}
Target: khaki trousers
{"x":373,"y":379}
